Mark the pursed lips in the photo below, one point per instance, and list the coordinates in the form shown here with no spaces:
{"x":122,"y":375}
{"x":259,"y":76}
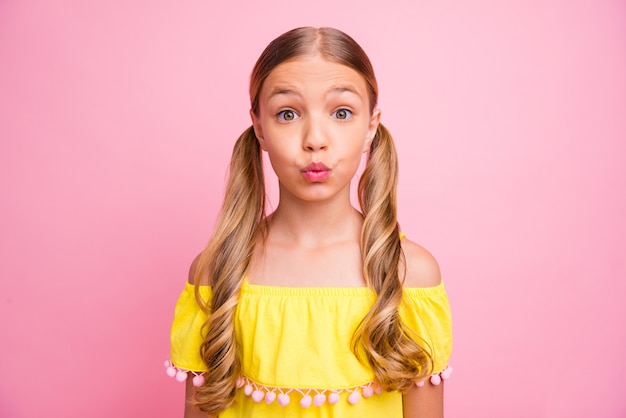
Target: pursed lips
{"x":316,"y":172}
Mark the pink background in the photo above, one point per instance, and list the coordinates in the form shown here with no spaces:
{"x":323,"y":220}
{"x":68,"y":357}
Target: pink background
{"x":116,"y":123}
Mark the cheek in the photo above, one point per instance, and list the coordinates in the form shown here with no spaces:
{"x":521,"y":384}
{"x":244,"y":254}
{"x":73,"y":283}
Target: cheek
{"x":279,"y":135}
{"x":353,"y":141}
{"x":280,"y":157}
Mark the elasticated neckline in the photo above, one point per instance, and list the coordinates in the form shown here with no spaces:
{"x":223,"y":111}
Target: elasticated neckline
{"x":362,"y":291}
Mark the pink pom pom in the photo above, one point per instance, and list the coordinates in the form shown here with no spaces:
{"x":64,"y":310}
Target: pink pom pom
{"x":258,"y":395}
{"x":419,"y":384}
{"x":198,"y":380}
{"x":240,"y":382}
{"x":247,"y":390}
{"x":333,"y":398}
{"x":368,"y":391}
{"x":354,"y":397}
{"x":270,"y":397}
{"x":435,"y":379}
{"x":306,"y":400}
{"x":171,"y":371}
{"x":167,"y":363}
{"x":283,"y":399}
{"x":181,"y":376}
{"x":319,"y":399}
{"x":446,"y":373}
{"x":378,"y":389}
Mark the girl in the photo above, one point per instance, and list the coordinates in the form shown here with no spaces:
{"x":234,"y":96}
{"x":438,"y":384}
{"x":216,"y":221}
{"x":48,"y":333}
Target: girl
{"x":318,"y":309}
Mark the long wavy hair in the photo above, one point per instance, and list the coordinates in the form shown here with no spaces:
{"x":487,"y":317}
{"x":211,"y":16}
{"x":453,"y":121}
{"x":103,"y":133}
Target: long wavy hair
{"x":381,"y":340}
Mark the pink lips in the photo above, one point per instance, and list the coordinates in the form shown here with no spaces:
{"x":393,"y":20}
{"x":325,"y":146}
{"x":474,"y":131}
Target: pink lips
{"x":316,"y":172}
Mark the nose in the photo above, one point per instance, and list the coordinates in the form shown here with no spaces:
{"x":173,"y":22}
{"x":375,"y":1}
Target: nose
{"x":314,"y":136}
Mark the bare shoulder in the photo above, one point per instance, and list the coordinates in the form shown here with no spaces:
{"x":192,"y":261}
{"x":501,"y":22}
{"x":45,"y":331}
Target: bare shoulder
{"x":193,"y":268}
{"x":422,"y":270}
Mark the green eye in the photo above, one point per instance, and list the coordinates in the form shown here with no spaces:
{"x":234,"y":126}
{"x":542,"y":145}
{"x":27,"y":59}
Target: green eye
{"x":343,"y":114}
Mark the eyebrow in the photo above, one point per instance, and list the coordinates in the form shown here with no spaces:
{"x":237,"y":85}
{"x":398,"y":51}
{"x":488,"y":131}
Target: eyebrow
{"x":343,"y":89}
{"x":282,"y":90}
{"x":288,"y":91}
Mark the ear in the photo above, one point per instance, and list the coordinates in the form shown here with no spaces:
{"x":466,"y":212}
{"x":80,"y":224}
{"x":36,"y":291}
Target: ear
{"x":371,"y":129}
{"x":258,"y":131}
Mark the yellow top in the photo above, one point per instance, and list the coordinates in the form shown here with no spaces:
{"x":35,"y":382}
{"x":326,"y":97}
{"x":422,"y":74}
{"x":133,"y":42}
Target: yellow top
{"x":297,"y":342}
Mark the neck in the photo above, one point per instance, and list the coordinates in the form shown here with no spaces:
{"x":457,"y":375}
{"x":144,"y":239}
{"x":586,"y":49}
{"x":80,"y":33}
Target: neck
{"x":315,"y":223}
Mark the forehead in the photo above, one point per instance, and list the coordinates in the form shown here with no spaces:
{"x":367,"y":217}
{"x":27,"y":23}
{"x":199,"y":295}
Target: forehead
{"x":311,"y":73}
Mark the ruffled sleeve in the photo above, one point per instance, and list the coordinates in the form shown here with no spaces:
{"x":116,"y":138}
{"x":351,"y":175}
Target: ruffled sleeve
{"x":186,"y":334}
{"x":426,"y":311}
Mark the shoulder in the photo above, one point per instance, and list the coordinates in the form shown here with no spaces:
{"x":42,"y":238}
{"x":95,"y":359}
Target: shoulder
{"x":193,"y":269}
{"x":420,"y":268}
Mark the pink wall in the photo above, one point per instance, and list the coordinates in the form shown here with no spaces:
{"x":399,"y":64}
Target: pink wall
{"x":116,"y":121}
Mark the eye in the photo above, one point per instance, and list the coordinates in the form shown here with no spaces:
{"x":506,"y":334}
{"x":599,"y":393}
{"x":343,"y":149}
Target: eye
{"x":287,"y":115}
{"x":343,"y":114}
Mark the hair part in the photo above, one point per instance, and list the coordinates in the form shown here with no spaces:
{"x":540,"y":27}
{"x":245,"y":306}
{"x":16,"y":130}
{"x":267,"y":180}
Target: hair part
{"x":381,"y":340}
{"x":330,"y":43}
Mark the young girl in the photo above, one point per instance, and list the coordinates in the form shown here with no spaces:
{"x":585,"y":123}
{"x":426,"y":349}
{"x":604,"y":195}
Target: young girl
{"x":318,"y":309}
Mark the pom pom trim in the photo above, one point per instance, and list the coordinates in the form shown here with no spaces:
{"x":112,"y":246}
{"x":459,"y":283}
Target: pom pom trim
{"x":308,"y":397}
{"x":437,"y":378}
{"x":181,"y":374}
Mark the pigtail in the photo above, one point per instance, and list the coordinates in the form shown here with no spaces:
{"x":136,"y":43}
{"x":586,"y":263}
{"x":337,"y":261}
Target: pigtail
{"x":396,"y":358}
{"x":225,"y":261}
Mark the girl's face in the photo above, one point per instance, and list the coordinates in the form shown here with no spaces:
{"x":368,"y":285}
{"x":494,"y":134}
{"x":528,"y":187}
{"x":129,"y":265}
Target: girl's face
{"x":315,"y":123}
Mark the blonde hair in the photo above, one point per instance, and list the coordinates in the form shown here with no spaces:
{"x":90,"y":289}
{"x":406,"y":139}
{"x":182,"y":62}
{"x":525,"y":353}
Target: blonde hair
{"x":381,"y":339}
{"x":391,"y":350}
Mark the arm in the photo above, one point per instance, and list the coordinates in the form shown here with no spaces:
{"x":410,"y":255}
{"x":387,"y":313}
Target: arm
{"x":190,"y":390}
{"x":421,"y":270}
{"x":190,"y":394}
{"x":424,"y":402}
